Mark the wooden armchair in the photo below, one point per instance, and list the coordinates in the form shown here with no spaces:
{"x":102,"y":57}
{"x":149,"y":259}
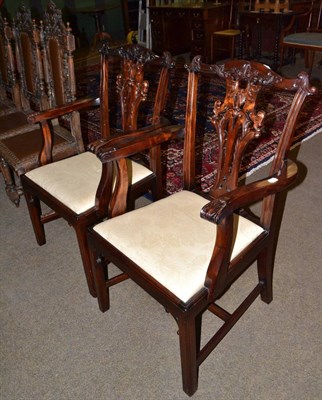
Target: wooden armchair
{"x":53,"y":85}
{"x":304,"y":32}
{"x":69,"y":186}
{"x":10,"y":100}
{"x":186,"y":250}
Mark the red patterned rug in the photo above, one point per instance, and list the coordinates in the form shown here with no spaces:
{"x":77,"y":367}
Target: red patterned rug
{"x":275,"y":105}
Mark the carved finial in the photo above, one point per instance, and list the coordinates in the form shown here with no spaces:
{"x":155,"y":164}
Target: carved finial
{"x":194,"y":66}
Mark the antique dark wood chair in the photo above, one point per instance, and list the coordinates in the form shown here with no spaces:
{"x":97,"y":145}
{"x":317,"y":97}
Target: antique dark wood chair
{"x":187,"y":249}
{"x":69,"y":186}
{"x":304,"y":32}
{"x":53,"y":85}
{"x":10,"y":100}
{"x":25,"y":37}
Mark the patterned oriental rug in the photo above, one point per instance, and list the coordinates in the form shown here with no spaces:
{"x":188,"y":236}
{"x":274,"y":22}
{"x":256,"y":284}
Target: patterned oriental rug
{"x":259,"y":153}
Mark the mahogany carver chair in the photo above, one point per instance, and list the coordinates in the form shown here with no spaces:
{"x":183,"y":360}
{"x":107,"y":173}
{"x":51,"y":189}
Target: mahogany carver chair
{"x":54,"y":85}
{"x":187,"y":249}
{"x":304,"y":32}
{"x":69,"y":186}
{"x":10,"y":100}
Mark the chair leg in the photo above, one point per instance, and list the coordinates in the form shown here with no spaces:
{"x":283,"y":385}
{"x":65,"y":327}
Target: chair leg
{"x":265,"y":267}
{"x":11,"y":188}
{"x":35,"y":213}
{"x":281,"y":57}
{"x":310,"y":60}
{"x":189,"y":336}
{"x":85,"y":255}
{"x":100,"y":276}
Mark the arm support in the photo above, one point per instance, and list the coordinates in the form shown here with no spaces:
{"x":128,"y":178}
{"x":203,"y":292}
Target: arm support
{"x":113,"y":153}
{"x":246,"y":195}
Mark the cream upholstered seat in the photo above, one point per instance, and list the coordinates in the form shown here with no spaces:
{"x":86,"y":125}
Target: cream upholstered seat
{"x":74,"y":181}
{"x":304,"y":33}
{"x":178,"y":252}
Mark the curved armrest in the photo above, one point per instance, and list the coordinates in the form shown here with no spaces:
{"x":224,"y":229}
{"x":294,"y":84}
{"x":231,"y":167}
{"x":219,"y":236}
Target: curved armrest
{"x":246,"y":195}
{"x":289,"y":27}
{"x":55,"y":112}
{"x":129,"y":144}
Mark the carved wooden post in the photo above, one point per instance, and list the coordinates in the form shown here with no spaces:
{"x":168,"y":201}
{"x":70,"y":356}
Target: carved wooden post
{"x":40,"y":72}
{"x":10,"y":68}
{"x":70,"y":40}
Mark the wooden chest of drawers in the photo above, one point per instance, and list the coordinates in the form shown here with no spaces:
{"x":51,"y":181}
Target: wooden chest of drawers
{"x":186,"y":28}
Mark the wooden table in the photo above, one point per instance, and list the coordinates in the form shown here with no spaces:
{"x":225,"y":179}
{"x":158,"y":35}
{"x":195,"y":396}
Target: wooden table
{"x":261,"y":33}
{"x":96,"y":13}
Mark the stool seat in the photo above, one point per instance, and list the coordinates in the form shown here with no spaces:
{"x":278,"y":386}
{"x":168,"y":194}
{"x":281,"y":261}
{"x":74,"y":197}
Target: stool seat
{"x":228,"y":32}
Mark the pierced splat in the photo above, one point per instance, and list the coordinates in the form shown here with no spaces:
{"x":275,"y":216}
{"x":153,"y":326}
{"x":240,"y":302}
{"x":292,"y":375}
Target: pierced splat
{"x":236,"y":123}
{"x":131,"y":86}
{"x":235,"y":119}
{"x":132,"y":90}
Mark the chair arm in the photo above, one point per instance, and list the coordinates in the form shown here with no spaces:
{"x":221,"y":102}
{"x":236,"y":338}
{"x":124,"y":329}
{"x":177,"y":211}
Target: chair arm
{"x":126,"y":145}
{"x":113,"y":153}
{"x":216,"y":210}
{"x":291,"y":24}
{"x":55,"y":112}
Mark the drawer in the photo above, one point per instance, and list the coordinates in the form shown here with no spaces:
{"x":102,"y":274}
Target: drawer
{"x":197,"y":14}
{"x":173,"y":13}
{"x":197,"y":25}
{"x":198,"y":35}
{"x":156,"y":23}
{"x":197,"y":48}
{"x":155,"y":14}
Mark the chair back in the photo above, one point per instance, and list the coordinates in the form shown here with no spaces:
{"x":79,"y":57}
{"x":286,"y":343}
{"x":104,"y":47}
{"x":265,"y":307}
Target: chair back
{"x":271,"y":5}
{"x":9,"y":86}
{"x":315,"y":20}
{"x":29,"y":63}
{"x":131,"y":86}
{"x":58,"y":46}
{"x":236,"y":119}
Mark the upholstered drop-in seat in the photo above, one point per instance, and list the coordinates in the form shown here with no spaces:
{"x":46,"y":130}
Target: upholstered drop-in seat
{"x":305,"y":38}
{"x":170,"y":241}
{"x":74,"y":181}
{"x":228,"y":32}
